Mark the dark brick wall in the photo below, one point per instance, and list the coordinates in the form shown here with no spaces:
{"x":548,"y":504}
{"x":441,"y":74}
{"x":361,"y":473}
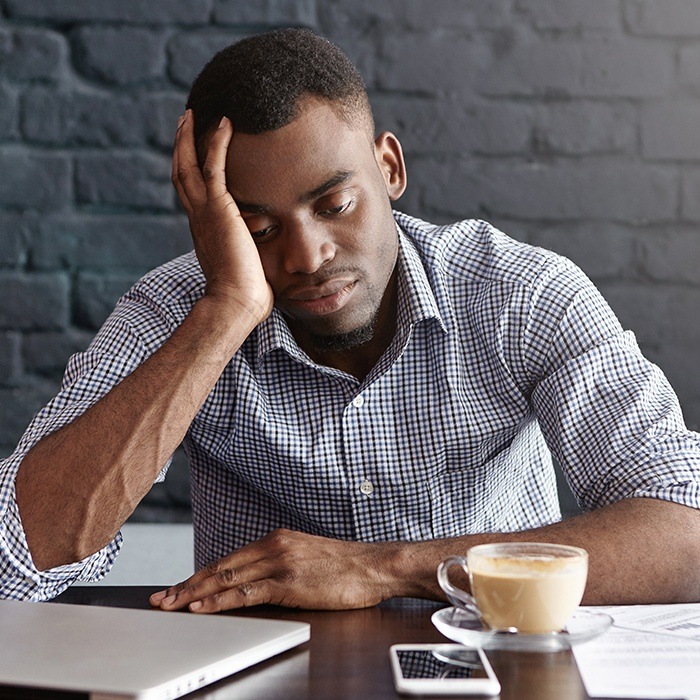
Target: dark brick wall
{"x":569,"y":124}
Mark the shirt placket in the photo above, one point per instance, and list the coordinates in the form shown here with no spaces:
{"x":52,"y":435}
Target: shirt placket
{"x":362,"y":476}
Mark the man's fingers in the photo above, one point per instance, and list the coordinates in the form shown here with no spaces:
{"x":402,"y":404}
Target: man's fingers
{"x":218,"y":576}
{"x":186,"y":174}
{"x":200,"y":188}
{"x":243,"y":595}
{"x":209,"y":595}
{"x":214,"y":168}
{"x":169,"y":596}
{"x":207,"y":572}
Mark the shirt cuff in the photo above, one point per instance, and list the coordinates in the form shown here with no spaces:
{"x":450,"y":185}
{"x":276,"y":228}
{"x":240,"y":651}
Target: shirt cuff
{"x":21,"y":580}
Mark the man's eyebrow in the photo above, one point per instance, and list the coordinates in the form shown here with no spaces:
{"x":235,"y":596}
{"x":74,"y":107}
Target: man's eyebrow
{"x":252,"y":208}
{"x":338,"y":179}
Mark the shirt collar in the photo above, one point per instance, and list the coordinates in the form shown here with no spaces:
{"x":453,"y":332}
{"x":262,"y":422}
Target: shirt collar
{"x":416,"y":299}
{"x":416,"y":303}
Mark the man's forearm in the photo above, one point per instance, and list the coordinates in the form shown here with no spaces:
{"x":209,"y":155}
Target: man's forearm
{"x":641,"y":550}
{"x":77,"y":486}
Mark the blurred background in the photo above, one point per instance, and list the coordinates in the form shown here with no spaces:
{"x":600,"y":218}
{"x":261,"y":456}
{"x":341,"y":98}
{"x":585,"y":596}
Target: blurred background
{"x":571,"y":125}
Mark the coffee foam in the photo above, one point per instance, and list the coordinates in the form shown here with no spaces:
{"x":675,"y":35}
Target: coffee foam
{"x":533,"y":564}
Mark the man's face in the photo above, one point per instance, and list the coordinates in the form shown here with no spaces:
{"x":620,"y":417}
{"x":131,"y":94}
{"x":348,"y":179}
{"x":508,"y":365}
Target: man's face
{"x":316,"y":197}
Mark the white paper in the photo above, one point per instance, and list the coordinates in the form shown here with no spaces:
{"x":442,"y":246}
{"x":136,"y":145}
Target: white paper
{"x":652,"y":651}
{"x":681,"y":620}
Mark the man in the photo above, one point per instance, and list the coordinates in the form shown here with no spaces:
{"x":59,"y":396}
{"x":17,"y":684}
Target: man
{"x":360,"y":393}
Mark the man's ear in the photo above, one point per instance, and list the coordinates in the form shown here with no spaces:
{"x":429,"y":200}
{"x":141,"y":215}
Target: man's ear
{"x":389,"y":157}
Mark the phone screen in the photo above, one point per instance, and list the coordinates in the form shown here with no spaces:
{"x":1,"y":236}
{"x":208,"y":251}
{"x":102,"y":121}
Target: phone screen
{"x":424,"y":664}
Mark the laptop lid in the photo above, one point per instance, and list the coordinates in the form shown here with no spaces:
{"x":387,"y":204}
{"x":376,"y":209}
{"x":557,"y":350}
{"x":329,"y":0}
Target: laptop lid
{"x":119,"y":653}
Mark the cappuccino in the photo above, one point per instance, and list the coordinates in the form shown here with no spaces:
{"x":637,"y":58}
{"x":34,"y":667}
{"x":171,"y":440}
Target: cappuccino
{"x":530,"y":586}
{"x":534,"y":595}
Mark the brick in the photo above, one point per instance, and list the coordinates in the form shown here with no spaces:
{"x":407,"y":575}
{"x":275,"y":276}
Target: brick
{"x":120,"y":55}
{"x":10,"y":358}
{"x":39,"y":180}
{"x":677,"y":18}
{"x":96,"y":295}
{"x":9,"y":112}
{"x":14,"y":234}
{"x":690,"y":195}
{"x":589,"y":189}
{"x":603,"y":251}
{"x":658,"y":314}
{"x":571,"y":14}
{"x":626,"y":68}
{"x":429,"y":125}
{"x":32,"y":54}
{"x":275,"y":12}
{"x":671,"y":254}
{"x":674,"y":359}
{"x":109,"y":242}
{"x":414,"y":15}
{"x":46,"y":353}
{"x":18,"y":406}
{"x":583,"y":127}
{"x":691,"y":407}
{"x":83,"y":118}
{"x":189,"y":52}
{"x":133,"y":180}
{"x":132,"y":11}
{"x":454,"y":65}
{"x":600,"y":66}
{"x":33,"y":301}
{"x":670,"y":130}
{"x":160,"y":113}
{"x":637,"y":310}
{"x":689,"y":66}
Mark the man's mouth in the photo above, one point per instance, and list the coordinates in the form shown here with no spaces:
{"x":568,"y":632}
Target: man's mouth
{"x":325,"y":298}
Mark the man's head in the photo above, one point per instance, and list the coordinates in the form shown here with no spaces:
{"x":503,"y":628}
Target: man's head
{"x":258,"y":83}
{"x":312,"y":183}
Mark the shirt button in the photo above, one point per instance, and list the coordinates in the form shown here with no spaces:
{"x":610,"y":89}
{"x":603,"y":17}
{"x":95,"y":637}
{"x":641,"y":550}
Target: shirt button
{"x":366,"y":487}
{"x":358,"y":401}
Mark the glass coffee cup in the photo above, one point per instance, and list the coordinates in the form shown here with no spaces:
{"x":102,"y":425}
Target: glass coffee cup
{"x":528,"y":587}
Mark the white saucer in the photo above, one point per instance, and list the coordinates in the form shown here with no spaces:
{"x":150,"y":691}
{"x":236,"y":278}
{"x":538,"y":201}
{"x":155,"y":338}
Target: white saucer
{"x":464,"y":627}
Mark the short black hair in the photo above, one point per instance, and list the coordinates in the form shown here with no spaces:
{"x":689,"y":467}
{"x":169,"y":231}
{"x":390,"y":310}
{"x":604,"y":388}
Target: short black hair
{"x":258,"y":82}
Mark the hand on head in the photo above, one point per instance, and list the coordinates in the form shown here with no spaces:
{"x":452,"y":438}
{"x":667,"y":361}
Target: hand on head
{"x":227,"y":255}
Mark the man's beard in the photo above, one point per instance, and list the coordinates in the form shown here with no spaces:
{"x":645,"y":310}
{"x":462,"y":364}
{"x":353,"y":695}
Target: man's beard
{"x":345,"y":341}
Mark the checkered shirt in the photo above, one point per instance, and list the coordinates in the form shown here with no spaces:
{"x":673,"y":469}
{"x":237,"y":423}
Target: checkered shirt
{"x":503,"y":352}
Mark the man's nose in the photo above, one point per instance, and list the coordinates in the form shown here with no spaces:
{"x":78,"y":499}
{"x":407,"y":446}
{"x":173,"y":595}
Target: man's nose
{"x":309,"y":247}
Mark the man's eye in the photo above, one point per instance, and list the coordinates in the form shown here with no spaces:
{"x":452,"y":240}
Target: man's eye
{"x":263,"y":233}
{"x":337,"y":210}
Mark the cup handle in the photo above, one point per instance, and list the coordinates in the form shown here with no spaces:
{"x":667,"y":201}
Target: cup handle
{"x":457,"y":596}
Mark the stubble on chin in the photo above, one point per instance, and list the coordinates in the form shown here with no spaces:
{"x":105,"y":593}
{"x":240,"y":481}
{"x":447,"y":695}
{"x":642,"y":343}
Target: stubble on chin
{"x":339,"y":342}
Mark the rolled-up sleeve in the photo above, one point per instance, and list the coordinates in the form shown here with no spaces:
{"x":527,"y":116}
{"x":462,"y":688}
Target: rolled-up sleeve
{"x":608,"y":414}
{"x":114,"y":353}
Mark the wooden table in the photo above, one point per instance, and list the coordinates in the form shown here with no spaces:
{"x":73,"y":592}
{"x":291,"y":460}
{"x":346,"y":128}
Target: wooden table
{"x":347,"y":656}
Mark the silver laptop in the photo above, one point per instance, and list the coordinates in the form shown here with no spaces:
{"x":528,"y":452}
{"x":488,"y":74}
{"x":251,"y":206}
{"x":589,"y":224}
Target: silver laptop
{"x":118,"y":653}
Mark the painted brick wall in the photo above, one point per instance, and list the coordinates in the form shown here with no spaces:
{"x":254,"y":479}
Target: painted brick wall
{"x":573,"y":125}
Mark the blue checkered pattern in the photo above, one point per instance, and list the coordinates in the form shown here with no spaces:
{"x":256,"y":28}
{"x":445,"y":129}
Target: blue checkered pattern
{"x":503,"y":352}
